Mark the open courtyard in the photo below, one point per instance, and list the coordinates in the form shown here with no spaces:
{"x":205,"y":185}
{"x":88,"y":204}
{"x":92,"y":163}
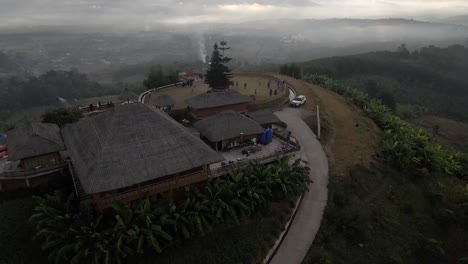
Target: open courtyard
{"x":246,"y":84}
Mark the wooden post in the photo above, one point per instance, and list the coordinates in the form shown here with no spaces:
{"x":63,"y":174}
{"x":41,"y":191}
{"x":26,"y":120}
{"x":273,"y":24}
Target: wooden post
{"x":318,"y":122}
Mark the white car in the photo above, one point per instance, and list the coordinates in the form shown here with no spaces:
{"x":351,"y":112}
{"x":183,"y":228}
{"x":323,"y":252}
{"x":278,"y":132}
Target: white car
{"x":298,"y":101}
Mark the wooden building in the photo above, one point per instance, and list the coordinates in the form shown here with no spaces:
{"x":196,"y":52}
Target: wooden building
{"x":35,"y":145}
{"x":265,"y":118}
{"x":227,"y":129}
{"x":132,"y":151}
{"x":209,"y":104}
{"x":34,"y":155}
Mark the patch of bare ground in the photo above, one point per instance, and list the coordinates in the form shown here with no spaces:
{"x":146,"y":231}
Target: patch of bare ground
{"x":245,"y":83}
{"x":448,"y":132}
{"x":352,"y":138}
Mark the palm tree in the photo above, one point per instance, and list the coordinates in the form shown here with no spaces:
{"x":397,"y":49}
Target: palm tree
{"x":142,"y":226}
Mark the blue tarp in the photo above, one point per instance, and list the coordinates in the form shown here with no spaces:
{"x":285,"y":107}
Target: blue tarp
{"x":3,"y":137}
{"x":269,"y":135}
{"x":263,"y":138}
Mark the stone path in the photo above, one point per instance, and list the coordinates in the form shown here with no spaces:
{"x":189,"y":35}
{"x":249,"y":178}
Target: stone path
{"x":309,"y":215}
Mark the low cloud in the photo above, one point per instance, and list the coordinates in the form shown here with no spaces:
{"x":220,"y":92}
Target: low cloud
{"x":145,"y":12}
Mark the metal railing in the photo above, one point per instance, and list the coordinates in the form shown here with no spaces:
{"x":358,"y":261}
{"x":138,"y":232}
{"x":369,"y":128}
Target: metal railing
{"x":261,"y":160}
{"x":30,"y":173}
{"x":142,"y":96}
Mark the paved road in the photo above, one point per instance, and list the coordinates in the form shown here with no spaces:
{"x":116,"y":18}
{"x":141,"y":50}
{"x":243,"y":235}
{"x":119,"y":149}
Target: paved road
{"x":310,"y":212}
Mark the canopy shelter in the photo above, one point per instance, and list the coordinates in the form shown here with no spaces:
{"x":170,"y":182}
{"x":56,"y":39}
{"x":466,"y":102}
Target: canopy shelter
{"x":164,"y":102}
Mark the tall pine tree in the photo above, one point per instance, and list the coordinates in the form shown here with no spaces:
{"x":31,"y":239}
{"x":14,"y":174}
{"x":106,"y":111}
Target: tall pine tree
{"x":218,"y":75}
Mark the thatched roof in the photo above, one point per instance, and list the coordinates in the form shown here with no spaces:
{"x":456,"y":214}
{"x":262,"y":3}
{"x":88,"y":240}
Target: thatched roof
{"x":215,"y":99}
{"x":127,"y":95}
{"x":94,"y":100}
{"x":131,"y":144}
{"x":227,"y":125}
{"x":163,"y":100}
{"x":34,"y":139}
{"x":264,"y":117}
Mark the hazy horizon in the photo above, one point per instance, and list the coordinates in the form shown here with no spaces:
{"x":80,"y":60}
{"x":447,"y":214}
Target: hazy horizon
{"x":145,"y":14}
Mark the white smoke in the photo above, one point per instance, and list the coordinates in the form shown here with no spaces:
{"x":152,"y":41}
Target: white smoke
{"x":201,"y":48}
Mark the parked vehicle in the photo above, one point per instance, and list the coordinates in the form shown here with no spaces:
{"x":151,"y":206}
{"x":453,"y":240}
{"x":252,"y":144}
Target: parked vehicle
{"x":298,"y":101}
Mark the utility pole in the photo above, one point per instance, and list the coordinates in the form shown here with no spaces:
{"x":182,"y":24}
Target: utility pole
{"x":318,"y":122}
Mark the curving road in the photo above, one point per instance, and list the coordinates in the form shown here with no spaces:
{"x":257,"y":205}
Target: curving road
{"x":306,"y":223}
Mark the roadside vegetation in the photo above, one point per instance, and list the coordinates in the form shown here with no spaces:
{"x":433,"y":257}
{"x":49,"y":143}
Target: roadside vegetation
{"x":410,"y":206}
{"x":404,"y":146}
{"x":73,"y":233}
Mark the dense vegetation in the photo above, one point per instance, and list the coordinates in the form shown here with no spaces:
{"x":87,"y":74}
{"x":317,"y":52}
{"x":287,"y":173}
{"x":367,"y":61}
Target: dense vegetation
{"x":427,"y":80}
{"x":380,"y":215}
{"x":293,"y":70}
{"x":407,"y":148}
{"x":158,"y":77}
{"x":62,"y":116}
{"x":75,"y":235}
{"x":19,"y":94}
{"x":415,"y":214}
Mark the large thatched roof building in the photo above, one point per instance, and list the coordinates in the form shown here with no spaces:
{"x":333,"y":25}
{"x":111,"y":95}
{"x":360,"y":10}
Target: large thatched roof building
{"x":226,"y":128}
{"x":208,"y":104}
{"x":132,"y":146}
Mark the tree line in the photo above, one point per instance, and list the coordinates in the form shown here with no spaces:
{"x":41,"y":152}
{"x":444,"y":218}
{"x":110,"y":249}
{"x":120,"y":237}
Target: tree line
{"x":431,"y":77}
{"x":74,"y":233}
{"x":23,"y":93}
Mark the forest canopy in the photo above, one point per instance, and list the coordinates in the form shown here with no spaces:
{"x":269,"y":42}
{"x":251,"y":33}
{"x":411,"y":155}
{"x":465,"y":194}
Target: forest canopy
{"x":433,"y":78}
{"x":19,"y":94}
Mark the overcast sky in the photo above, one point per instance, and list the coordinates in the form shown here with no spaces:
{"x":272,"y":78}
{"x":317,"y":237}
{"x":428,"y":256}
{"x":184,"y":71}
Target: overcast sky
{"x":144,"y":13}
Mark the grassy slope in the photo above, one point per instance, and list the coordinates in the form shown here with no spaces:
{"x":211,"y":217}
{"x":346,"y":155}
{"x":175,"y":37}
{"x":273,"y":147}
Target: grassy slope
{"x":448,"y":132}
{"x":377,"y":214}
{"x":384,"y":216}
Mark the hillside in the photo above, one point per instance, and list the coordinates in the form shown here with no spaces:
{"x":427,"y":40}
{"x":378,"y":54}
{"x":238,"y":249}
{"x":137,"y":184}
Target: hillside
{"x":375,"y":212}
{"x":432,"y":79}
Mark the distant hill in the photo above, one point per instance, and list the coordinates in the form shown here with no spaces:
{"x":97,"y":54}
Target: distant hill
{"x":460,"y":20}
{"x":433,"y":78}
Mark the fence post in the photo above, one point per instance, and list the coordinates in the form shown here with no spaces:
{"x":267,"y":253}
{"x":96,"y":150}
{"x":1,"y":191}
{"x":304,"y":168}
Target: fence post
{"x":318,"y":122}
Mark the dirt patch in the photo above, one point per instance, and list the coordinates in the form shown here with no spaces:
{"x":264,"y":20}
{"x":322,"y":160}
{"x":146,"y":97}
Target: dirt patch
{"x":354,"y":138}
{"x":448,"y":132}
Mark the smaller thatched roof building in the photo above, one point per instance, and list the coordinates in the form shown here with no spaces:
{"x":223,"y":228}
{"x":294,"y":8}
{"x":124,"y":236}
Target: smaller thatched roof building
{"x":227,"y":125}
{"x":34,"y":139}
{"x":217,"y":99}
{"x":265,"y":118}
{"x":163,"y":101}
